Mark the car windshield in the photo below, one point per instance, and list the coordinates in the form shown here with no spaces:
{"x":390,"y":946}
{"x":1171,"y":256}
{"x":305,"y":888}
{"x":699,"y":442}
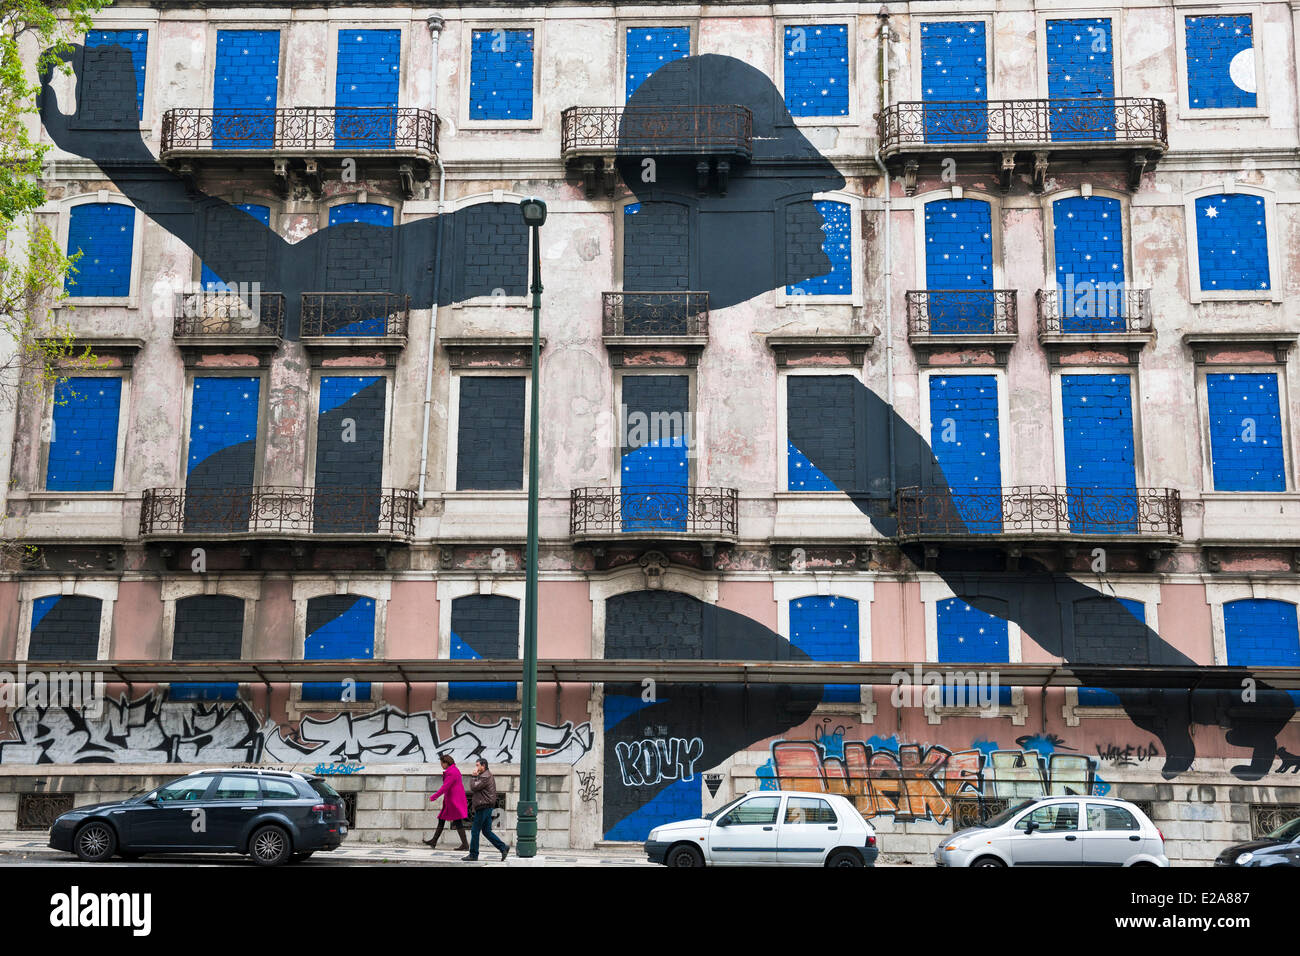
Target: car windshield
{"x":1000,"y":818}
{"x":725,"y":807}
{"x":1287,"y":831}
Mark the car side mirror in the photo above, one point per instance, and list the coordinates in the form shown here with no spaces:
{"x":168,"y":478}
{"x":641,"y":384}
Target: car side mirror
{"x":1031,"y":826}
{"x":725,"y":821}
{"x":153,"y":801}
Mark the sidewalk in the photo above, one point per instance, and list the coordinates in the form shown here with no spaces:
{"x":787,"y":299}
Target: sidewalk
{"x":35,"y":843}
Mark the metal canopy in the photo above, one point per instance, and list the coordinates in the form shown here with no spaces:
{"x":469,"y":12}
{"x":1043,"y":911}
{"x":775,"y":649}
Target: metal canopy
{"x":876,"y":673}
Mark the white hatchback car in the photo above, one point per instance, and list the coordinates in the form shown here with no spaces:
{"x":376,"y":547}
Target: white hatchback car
{"x":1059,"y":831}
{"x":766,"y":827}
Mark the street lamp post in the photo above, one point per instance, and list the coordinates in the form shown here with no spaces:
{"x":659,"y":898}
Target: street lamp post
{"x":534,"y":211}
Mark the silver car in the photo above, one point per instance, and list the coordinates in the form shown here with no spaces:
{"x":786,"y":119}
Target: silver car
{"x":1059,"y":831}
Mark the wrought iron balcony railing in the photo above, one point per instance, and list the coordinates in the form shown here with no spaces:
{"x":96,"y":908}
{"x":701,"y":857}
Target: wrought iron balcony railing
{"x":655,"y":313}
{"x":1090,"y":308}
{"x":1059,"y":123}
{"x":272,"y":511}
{"x":302,"y":129}
{"x":228,"y":313}
{"x":653,"y":509}
{"x":1039,"y":510}
{"x":355,"y":314}
{"x":961,"y":312}
{"x":658,"y":130}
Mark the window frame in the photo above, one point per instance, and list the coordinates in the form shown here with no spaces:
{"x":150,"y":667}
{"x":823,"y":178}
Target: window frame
{"x":1129,"y":588}
{"x":505,"y":22}
{"x":693,"y":456}
{"x":1049,"y":201}
{"x":106,"y":20}
{"x":780,"y":24}
{"x":1116,"y":17}
{"x":29,"y":591}
{"x":1203,"y":371}
{"x":1058,"y":417}
{"x":991,"y":84}
{"x":1182,"y":9}
{"x":379,"y":23}
{"x":209,"y":63}
{"x":857,"y":588}
{"x":921,"y":200}
{"x":103,"y":196}
{"x":999,"y":374}
{"x":1230,"y":187}
{"x":262,"y":374}
{"x":177,"y":589}
{"x":857,"y":276}
{"x":386,"y":372}
{"x":623,"y":25}
{"x":306,"y":587}
{"x":451,"y":485}
{"x":451,"y":588}
{"x":47,"y":430}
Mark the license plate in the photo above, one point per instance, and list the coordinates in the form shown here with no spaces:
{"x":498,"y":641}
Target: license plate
{"x":343,"y":830}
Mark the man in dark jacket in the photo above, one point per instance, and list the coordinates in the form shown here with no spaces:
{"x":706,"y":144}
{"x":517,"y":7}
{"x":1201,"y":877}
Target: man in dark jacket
{"x":482,"y":801}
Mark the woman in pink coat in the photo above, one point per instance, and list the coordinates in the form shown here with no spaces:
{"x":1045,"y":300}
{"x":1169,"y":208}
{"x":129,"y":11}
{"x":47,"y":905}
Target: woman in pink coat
{"x":454,"y":808}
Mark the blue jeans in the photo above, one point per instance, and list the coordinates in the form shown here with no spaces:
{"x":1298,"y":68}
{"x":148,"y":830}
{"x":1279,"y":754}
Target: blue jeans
{"x":483,"y":823}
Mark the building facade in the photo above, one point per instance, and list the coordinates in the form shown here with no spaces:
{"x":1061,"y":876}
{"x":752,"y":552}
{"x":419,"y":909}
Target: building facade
{"x":1062,"y":246}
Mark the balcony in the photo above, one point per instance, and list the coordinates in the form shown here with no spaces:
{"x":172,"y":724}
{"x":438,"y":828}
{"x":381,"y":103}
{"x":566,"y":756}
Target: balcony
{"x":653,"y":322}
{"x":1046,"y":511}
{"x":939,"y":319}
{"x":1130,"y":130}
{"x":670,"y":516}
{"x":297,"y":143}
{"x":266,"y":511}
{"x":335,"y":322}
{"x":591,"y":137}
{"x":1097,"y":315}
{"x":224,"y":320}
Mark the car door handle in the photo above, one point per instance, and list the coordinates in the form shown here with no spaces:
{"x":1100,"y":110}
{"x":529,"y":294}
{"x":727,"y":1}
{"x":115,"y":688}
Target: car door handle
{"x":248,"y":808}
{"x":1135,"y":838}
{"x":832,"y":827}
{"x":767,"y":828}
{"x":1071,"y":837}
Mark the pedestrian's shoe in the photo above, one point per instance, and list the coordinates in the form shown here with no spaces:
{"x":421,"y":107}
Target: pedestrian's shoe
{"x":470,"y":858}
{"x":463,"y":846}
{"x":504,"y":854}
{"x":433,"y":844}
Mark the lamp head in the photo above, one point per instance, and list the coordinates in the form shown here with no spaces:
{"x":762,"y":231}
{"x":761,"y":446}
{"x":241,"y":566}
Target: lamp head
{"x":534,"y":211}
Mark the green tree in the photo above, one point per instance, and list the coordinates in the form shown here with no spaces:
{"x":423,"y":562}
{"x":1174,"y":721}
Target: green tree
{"x":35,"y":353}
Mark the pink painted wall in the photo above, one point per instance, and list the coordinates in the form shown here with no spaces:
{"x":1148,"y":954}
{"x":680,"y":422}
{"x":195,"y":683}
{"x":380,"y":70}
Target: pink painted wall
{"x":137,"y":621}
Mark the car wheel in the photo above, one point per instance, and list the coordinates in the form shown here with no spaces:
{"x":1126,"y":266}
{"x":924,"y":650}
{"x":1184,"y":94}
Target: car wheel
{"x":845,"y":858}
{"x":269,"y":846}
{"x":989,"y":861}
{"x":685,"y":856}
{"x":95,"y":842}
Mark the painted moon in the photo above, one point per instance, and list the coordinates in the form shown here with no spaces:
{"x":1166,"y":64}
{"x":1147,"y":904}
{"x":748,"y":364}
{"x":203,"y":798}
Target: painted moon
{"x":1242,"y":70}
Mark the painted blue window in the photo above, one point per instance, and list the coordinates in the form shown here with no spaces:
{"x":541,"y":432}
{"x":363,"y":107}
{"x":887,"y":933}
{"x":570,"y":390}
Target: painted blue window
{"x":655,"y":472}
{"x":104,"y":234}
{"x":1261,"y":633}
{"x":959,"y":265}
{"x":83,"y":435}
{"x":501,"y":75}
{"x":1081,"y":79}
{"x":350,"y":442}
{"x":223,"y":417}
{"x":65,"y":627}
{"x":208,"y":627}
{"x":484,"y":627}
{"x":649,"y":48}
{"x":838,"y":246}
{"x":821,"y":416}
{"x":1097,"y":696}
{"x":954,"y":70}
{"x":245,"y":87}
{"x":964,"y":437}
{"x":817,"y":69}
{"x":967,"y":635}
{"x":369,"y":64}
{"x":339,"y":627}
{"x":1220,"y":62}
{"x":1245,"y":432}
{"x":826,"y":629}
{"x":1088,"y":235}
{"x":1097,"y":413}
{"x":372,"y":214}
{"x":262,"y":214}
{"x":1232,"y":242}
{"x":137,"y":42}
